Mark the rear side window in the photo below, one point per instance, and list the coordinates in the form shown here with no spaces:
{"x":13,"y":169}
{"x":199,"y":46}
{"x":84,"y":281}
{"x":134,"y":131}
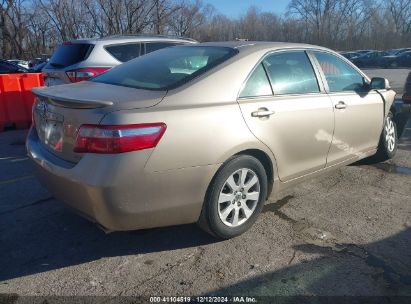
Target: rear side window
{"x":291,"y":73}
{"x":124,"y":52}
{"x":70,"y":53}
{"x":154,"y":46}
{"x":167,"y":68}
{"x":340,"y":75}
{"x":258,"y":84}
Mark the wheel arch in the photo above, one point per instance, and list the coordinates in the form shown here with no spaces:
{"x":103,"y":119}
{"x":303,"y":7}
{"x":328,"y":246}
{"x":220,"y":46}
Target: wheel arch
{"x":267,"y":164}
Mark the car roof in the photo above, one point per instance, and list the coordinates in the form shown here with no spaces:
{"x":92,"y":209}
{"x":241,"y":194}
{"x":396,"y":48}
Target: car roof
{"x":11,"y":63}
{"x":132,"y":38}
{"x":252,"y":46}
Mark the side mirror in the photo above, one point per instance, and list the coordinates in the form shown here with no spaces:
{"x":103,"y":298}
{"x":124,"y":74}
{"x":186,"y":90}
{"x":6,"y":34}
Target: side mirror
{"x":379,"y":83}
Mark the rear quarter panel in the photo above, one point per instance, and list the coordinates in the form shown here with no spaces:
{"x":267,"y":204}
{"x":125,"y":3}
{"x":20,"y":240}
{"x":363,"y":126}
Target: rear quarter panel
{"x":195,"y":136}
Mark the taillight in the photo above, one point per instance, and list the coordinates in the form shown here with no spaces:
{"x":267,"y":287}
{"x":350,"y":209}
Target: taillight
{"x":84,"y":74}
{"x":109,"y":139}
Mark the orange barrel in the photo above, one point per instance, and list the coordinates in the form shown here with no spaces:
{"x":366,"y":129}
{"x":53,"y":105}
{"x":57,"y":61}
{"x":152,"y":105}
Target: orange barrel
{"x":16,"y":98}
{"x":11,"y":90}
{"x":3,"y":112}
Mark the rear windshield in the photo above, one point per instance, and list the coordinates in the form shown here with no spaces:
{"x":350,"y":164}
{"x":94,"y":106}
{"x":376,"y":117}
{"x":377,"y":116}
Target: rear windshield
{"x":70,"y":53}
{"x":167,"y":68}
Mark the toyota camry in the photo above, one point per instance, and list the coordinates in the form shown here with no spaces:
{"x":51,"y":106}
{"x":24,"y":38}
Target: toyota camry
{"x":206,"y":133}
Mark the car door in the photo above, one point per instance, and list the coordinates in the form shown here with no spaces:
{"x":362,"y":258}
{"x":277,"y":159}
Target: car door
{"x":359,"y":112}
{"x":286,"y":108}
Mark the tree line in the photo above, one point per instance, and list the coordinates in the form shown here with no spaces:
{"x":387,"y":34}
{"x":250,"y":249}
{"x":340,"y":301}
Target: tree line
{"x":29,"y":28}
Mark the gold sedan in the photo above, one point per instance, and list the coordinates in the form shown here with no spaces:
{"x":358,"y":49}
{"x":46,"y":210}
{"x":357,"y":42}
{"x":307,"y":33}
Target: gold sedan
{"x":205,"y":133}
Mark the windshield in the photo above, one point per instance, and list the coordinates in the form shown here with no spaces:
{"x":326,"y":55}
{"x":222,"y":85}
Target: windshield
{"x":167,"y":68}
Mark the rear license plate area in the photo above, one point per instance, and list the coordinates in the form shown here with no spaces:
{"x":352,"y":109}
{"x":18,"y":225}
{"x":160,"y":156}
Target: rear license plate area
{"x":49,"y":126}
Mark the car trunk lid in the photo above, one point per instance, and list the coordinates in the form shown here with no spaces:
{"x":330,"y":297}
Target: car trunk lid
{"x":61,"y":110}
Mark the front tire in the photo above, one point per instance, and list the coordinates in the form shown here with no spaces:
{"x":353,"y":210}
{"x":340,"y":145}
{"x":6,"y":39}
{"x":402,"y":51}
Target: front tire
{"x":387,"y":146}
{"x":235,"y":197}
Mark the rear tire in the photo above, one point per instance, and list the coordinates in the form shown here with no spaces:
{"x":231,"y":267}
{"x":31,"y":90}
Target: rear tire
{"x":235,"y":197}
{"x":387,"y":146}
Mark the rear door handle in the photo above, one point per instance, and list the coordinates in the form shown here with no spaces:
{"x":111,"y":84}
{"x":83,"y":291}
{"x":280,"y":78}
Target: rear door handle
{"x":262,"y":112}
{"x":341,"y":105}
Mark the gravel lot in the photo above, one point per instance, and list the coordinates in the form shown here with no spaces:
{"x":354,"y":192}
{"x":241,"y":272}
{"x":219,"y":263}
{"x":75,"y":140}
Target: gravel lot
{"x":346,"y":234}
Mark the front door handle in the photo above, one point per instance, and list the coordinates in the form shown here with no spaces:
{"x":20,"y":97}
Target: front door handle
{"x":262,"y":112}
{"x":341,"y":105}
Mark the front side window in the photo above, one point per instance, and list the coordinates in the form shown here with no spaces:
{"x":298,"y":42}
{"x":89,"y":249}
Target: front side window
{"x":291,"y":73}
{"x":258,"y":84}
{"x":167,"y":68}
{"x":340,"y":75}
{"x":124,"y":52}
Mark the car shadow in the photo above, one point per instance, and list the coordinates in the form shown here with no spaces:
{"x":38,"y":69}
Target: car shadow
{"x":44,"y":236}
{"x":376,"y":269}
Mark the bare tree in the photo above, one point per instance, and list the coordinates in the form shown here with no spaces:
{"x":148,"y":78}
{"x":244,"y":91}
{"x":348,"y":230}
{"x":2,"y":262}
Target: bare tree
{"x":163,"y":10}
{"x":400,"y":11}
{"x":188,"y":18}
{"x":31,"y":27}
{"x":4,"y":32}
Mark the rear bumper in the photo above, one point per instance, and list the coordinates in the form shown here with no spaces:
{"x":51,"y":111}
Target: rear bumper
{"x":117,"y":192}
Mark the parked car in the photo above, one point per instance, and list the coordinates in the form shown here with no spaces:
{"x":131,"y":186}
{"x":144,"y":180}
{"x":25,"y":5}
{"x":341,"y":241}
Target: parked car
{"x":403,"y":60}
{"x":205,"y":133}
{"x":33,"y":62}
{"x":38,"y":60}
{"x":350,"y":55}
{"x":38,"y":68}
{"x":80,"y":60}
{"x":399,"y":59}
{"x":7,"y":67}
{"x":19,"y":62}
{"x":362,"y":52}
{"x":407,"y":90}
{"x":398,"y":51}
{"x":370,"y":59}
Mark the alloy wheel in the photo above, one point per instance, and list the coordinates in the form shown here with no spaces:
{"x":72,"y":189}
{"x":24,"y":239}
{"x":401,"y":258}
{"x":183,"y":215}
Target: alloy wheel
{"x":390,"y":134}
{"x":239,"y":197}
